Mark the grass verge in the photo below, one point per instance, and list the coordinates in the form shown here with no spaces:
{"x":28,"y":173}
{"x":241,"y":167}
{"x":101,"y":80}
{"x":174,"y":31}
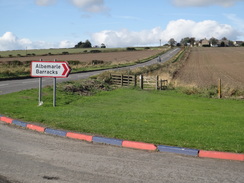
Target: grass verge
{"x":159,"y":117}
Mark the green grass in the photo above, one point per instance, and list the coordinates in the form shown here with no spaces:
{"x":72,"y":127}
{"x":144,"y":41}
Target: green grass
{"x":159,"y":117}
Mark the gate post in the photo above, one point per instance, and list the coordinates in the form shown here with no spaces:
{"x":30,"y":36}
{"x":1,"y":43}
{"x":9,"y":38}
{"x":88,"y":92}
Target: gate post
{"x":157,"y":82}
{"x":122,"y":79}
{"x":219,"y":89}
{"x":141,"y":81}
{"x":135,"y":80}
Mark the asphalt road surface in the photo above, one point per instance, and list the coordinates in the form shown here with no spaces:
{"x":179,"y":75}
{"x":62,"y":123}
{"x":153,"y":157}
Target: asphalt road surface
{"x":11,"y":86}
{"x":27,"y":156}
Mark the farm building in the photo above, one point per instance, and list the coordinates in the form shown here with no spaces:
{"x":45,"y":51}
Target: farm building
{"x":238,"y":43}
{"x":204,"y":43}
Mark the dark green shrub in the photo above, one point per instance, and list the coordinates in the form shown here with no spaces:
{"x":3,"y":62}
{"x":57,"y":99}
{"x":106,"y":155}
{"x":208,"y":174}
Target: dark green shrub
{"x":130,"y":49}
{"x":65,"y":53}
{"x":95,"y":51}
{"x":73,"y":62}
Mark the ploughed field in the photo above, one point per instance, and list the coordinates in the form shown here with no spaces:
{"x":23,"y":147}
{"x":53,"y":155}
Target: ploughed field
{"x":112,"y":57}
{"x":205,"y":66}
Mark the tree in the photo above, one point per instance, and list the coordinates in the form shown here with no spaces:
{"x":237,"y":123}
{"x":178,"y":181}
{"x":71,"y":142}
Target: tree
{"x":103,"y":45}
{"x":184,"y":41}
{"x":213,"y":41}
{"x":222,"y":44}
{"x":224,"y":39}
{"x":86,"y":44}
{"x":172,"y":42}
{"x":192,"y":41}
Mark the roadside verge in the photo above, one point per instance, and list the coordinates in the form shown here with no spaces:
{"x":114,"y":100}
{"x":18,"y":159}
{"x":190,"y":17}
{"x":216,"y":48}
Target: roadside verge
{"x":125,"y":143}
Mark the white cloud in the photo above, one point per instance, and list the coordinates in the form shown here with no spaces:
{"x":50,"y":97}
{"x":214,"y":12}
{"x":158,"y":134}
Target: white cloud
{"x":177,"y":29}
{"x":92,"y":6}
{"x":66,"y":44}
{"x":45,"y":2}
{"x":225,"y":3}
{"x":9,"y":41}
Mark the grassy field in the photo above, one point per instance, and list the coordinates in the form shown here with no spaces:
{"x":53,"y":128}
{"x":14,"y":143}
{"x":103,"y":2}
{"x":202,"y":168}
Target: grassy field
{"x":159,"y":117}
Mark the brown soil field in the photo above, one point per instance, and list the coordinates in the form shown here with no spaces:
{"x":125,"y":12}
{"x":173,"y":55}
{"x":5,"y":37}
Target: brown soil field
{"x":113,"y":57}
{"x":205,"y":66}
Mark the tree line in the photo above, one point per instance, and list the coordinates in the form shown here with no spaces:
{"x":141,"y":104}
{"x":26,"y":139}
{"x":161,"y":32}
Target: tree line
{"x":191,"y":41}
{"x":87,"y":44}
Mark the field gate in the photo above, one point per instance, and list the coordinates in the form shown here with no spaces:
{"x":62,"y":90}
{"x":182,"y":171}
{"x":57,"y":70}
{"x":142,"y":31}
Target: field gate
{"x":144,"y":82}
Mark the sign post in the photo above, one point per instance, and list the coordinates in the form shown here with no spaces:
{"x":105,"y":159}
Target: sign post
{"x":40,"y":90}
{"x":54,"y":89}
{"x":51,"y":69}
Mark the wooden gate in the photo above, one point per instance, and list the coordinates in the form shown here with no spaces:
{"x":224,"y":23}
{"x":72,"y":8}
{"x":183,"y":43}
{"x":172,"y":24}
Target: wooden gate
{"x":123,"y":80}
{"x":144,"y":82}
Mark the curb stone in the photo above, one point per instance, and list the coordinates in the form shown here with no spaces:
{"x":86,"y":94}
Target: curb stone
{"x":125,"y":143}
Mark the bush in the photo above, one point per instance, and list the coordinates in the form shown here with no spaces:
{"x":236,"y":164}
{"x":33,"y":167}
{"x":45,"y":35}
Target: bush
{"x":65,"y":53}
{"x":95,"y":51}
{"x":130,"y":49}
{"x":73,"y":62}
{"x":95,"y":62}
{"x":13,"y":63}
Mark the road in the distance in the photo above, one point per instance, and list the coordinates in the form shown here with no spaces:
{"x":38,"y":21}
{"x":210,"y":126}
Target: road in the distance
{"x":27,"y":156}
{"x":11,"y":86}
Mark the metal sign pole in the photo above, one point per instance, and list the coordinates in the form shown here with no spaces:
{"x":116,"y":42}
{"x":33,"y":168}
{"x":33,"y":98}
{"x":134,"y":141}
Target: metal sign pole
{"x":54,"y":89}
{"x":40,"y":90}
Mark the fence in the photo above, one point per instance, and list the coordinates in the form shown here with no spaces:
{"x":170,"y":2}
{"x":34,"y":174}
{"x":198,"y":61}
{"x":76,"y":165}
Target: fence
{"x":123,"y":80}
{"x":144,"y":82}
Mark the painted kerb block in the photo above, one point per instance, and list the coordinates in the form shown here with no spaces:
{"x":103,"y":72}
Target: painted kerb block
{"x":19,"y":123}
{"x":178,"y":150}
{"x":55,"y":132}
{"x":107,"y":141}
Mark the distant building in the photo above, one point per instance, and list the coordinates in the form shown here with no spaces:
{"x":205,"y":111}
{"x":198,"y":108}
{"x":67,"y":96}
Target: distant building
{"x":204,"y":43}
{"x":238,"y":43}
{"x":223,"y":43}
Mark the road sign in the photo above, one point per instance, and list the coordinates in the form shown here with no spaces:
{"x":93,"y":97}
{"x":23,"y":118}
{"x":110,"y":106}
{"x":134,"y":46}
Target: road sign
{"x":51,"y":69}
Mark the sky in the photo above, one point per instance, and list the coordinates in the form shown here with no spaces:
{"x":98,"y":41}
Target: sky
{"x":38,"y":24}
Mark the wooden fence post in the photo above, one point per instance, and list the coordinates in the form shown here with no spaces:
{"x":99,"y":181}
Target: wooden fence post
{"x":122,"y":79}
{"x":157,"y":82}
{"x":219,"y":89}
{"x":135,"y":81}
{"x":141,"y":81}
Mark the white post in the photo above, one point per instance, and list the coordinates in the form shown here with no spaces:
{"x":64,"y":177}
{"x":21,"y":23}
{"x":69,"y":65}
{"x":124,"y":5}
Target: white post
{"x":54,"y":90}
{"x":40,"y":90}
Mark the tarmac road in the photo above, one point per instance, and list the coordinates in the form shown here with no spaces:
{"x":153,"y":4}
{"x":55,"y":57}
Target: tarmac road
{"x":27,"y":156}
{"x":11,"y":86}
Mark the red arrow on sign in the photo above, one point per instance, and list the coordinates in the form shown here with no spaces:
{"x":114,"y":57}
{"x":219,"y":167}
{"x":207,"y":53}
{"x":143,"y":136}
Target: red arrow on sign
{"x":66,"y":69}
